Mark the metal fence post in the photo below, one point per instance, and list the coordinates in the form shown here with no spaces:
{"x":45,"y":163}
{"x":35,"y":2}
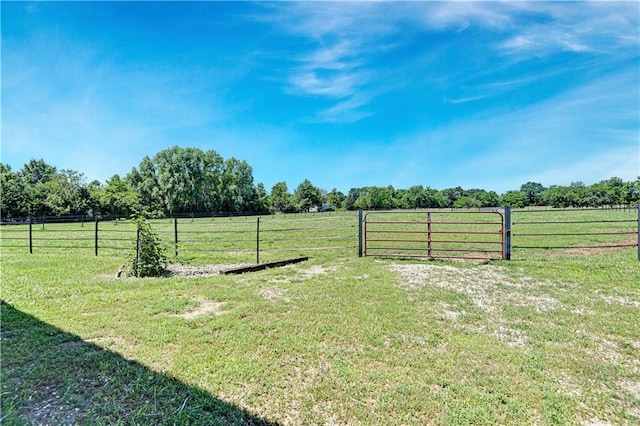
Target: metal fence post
{"x":30,"y":235}
{"x":429,"y":234}
{"x":175,"y":234}
{"x":507,"y":233}
{"x":96,"y":236}
{"x":258,"y":240}
{"x":360,"y":236}
{"x":136,"y":266}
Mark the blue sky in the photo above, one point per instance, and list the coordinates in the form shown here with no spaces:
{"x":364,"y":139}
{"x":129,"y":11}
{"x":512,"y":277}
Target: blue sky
{"x":483,"y":95}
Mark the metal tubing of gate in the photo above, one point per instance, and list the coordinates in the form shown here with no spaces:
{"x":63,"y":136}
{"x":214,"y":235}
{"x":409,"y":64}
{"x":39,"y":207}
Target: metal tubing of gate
{"x":403,"y":238}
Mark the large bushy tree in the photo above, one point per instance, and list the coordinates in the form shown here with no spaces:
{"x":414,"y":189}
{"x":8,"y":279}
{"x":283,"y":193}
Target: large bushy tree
{"x":307,"y":196}
{"x":188,"y":180}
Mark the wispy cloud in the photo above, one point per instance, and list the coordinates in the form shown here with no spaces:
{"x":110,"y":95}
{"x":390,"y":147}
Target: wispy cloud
{"x":342,"y":39}
{"x":602,"y":27}
{"x":347,"y":111}
{"x":346,"y":43}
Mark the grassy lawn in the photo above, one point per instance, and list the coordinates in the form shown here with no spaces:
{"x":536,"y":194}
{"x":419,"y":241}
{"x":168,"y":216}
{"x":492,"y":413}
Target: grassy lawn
{"x":550,"y":339}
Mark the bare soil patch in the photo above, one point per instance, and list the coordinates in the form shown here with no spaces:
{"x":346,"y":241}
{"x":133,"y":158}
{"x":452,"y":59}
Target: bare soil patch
{"x":198,"y":271}
{"x":489,"y":288}
{"x":597,"y":249}
{"x":274,"y":294}
{"x":207,"y":307}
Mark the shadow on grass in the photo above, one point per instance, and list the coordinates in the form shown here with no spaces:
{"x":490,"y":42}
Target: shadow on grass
{"x":50,"y":376}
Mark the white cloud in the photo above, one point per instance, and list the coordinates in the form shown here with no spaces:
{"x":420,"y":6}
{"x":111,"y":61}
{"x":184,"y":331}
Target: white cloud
{"x":347,"y":111}
{"x":602,"y":27}
{"x":346,"y":39}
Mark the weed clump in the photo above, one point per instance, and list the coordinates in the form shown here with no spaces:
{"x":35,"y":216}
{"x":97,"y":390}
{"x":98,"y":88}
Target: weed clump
{"x":149,"y":258}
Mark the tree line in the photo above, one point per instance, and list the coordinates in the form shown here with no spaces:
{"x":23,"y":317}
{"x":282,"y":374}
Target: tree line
{"x":179,"y":181}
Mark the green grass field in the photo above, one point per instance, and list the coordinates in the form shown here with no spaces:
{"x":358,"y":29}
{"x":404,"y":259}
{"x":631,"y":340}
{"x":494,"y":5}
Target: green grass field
{"x":551,"y":337}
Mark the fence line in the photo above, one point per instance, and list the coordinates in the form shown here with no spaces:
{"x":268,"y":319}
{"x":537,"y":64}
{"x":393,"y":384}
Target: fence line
{"x":184,"y":235}
{"x":542,"y":232}
{"x":524,"y":230}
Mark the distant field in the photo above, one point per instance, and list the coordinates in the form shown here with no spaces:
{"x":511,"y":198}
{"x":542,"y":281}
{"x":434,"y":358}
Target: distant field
{"x":550,"y":338}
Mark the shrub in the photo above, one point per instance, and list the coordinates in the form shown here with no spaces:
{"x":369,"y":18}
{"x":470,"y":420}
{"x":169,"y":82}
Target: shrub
{"x":149,"y":258}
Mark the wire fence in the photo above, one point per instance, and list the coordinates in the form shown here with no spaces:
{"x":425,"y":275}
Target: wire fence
{"x":262,"y":238}
{"x":575,"y":229}
{"x":243,"y":238}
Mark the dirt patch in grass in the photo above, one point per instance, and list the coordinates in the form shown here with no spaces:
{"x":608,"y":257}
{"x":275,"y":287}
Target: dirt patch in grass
{"x":52,"y":409}
{"x":198,"y":271}
{"x":489,"y":288}
{"x":621,"y":300}
{"x":274,"y":294}
{"x":207,"y":307}
{"x":598,"y":248}
{"x":302,"y":273}
{"x":315,"y":271}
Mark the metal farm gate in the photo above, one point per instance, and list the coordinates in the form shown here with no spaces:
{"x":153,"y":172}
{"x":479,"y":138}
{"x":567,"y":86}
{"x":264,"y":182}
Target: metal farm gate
{"x":434,"y":234}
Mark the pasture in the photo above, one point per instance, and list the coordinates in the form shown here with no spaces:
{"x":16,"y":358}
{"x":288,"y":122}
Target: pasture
{"x":551,"y":337}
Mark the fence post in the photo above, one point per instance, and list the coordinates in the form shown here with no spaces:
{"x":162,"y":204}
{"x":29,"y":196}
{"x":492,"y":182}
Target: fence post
{"x":429,"y":234}
{"x":136,"y":266}
{"x":30,"y":235}
{"x":507,"y":233}
{"x":638,"y":212}
{"x":258,"y":240}
{"x":360,"y":236}
{"x":96,"y":236}
{"x":175,"y":234}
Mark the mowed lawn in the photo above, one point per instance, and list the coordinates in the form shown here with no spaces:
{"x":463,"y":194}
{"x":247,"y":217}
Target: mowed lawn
{"x":337,"y":339}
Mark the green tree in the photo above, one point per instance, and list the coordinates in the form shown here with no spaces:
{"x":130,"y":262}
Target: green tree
{"x":352,"y":196}
{"x":13,"y":197}
{"x":281,"y":200}
{"x":180,"y":176}
{"x":615,"y":189}
{"x":144,"y":180}
{"x":381,"y":198}
{"x":263,"y":199}
{"x":307,"y":196}
{"x":364,"y":200}
{"x":632,"y":193}
{"x":466,"y":202}
{"x":514,"y":199}
{"x":67,"y":194}
{"x":557,"y":197}
{"x":534,"y":193}
{"x":336,"y":198}
{"x":36,"y":175}
{"x":450,"y":195}
{"x":37,"y":171}
{"x":118,"y":197}
{"x":578,"y":195}
{"x":238,"y":192}
{"x":212,"y":185}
